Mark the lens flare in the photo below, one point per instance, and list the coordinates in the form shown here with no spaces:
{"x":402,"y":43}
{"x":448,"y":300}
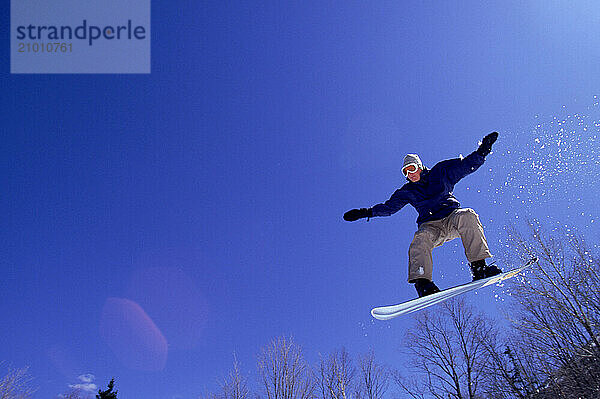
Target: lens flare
{"x":132,"y":335}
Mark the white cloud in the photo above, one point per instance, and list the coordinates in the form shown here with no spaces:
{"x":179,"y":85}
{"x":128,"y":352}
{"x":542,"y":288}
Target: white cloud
{"x":87,"y":378}
{"x":86,"y":383}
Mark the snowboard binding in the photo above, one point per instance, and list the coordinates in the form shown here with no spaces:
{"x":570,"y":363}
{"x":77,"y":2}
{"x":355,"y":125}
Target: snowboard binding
{"x":479,"y":270}
{"x":425,"y":287}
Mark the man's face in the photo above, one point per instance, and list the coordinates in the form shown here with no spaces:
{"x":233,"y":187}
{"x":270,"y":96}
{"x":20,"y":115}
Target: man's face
{"x":412,"y":172}
{"x":415,"y":177}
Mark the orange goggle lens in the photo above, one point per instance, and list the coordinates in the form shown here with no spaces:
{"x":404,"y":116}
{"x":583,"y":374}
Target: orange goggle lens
{"x":410,"y":168}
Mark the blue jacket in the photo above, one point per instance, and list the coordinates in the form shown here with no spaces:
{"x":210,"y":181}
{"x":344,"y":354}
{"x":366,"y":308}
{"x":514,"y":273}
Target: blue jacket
{"x":432,"y":194}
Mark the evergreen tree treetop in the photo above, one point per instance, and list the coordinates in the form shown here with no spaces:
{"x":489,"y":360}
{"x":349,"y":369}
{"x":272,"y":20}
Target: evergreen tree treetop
{"x":108,"y":394}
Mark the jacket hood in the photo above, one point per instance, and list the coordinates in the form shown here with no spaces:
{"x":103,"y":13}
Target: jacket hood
{"x":412,"y":158}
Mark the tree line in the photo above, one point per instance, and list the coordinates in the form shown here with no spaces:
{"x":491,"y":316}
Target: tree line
{"x":283,"y":373}
{"x":546,"y":345}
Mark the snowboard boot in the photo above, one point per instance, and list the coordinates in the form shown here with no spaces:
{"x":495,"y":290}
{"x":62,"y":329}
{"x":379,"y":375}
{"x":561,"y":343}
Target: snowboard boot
{"x":480,"y":270}
{"x":425,"y":287}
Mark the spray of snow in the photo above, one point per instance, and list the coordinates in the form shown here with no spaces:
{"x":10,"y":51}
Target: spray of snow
{"x":546,"y":172}
{"x":549,"y":170}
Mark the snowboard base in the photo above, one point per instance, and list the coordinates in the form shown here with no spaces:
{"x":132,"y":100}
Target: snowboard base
{"x":389,"y":312}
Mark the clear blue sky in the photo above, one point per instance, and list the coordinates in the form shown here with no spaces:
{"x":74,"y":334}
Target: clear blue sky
{"x":204,"y":201}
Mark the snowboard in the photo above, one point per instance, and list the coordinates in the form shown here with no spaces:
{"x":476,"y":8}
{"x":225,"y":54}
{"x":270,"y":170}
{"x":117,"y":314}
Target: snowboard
{"x":389,"y":312}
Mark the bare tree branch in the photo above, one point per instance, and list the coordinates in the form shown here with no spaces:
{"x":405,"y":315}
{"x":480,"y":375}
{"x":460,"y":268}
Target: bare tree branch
{"x":448,"y":352}
{"x":373,"y":378}
{"x":16,"y":384}
{"x":283,"y":371}
{"x":336,"y":375}
{"x":555,"y":345}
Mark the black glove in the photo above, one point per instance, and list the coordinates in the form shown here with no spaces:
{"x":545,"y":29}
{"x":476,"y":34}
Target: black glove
{"x":486,"y":144}
{"x":355,"y":214}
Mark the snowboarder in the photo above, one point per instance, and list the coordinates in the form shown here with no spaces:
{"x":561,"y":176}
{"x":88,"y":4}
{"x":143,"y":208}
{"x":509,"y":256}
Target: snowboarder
{"x":441,"y":218}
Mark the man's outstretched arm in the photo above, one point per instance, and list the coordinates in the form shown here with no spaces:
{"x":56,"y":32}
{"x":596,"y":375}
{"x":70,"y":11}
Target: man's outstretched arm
{"x":389,"y":207}
{"x":456,"y":169}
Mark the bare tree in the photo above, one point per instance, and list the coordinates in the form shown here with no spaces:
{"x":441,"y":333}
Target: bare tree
{"x":283,"y":371}
{"x":447,"y":353}
{"x":16,"y":384}
{"x":336,"y":375}
{"x":558,"y":315}
{"x":374,"y":378}
{"x":234,"y":386}
{"x":512,"y":369}
{"x":75,"y":394}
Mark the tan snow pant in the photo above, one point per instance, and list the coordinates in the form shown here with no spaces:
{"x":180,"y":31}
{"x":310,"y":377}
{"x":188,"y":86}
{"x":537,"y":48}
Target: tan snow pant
{"x":463,"y":223}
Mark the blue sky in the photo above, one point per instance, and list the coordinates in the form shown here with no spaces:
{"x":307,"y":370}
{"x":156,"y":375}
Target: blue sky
{"x":203,"y":203}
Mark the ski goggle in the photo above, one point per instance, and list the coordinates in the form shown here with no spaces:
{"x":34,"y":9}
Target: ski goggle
{"x":410,"y":168}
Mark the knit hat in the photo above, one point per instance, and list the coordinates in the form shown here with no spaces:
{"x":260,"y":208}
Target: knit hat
{"x":412,"y":158}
